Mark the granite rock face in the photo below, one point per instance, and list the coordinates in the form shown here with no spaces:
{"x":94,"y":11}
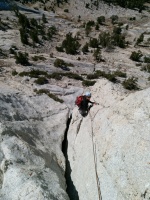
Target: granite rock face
{"x":114,"y":142}
{"x":32,"y":164}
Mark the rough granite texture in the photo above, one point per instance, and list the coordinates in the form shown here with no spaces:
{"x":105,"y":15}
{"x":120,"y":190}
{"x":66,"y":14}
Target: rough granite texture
{"x":120,"y":127}
{"x":32,"y":165}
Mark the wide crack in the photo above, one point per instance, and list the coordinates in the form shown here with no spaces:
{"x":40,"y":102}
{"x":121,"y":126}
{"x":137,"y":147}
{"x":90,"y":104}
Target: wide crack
{"x":71,"y":189}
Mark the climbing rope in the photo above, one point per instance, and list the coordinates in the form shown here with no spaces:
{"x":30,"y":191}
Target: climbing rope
{"x":95,"y":162}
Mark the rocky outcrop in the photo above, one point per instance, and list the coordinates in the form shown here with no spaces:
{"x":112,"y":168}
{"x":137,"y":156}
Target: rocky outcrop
{"x":109,"y":149}
{"x":32,"y":164}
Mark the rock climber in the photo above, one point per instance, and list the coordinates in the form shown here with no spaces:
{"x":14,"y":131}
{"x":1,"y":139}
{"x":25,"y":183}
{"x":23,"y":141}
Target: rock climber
{"x":86,"y":104}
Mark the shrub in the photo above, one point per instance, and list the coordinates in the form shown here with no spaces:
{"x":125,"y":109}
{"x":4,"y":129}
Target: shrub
{"x":66,"y":10}
{"x":130,"y":84}
{"x":97,"y":26}
{"x":90,"y":23}
{"x":34,"y":36}
{"x":36,"y":58}
{"x":146,"y":68}
{"x":60,"y":49}
{"x":59,"y":63}
{"x":140,"y":39}
{"x":51,"y":31}
{"x":14,"y":73}
{"x":111,"y":77}
{"x":88,"y":83}
{"x":33,"y":22}
{"x":114,"y":18}
{"x":44,"y":18}
{"x":22,"y":58}
{"x":87,"y":5}
{"x":92,"y":76}
{"x":55,"y":75}
{"x":135,"y":56}
{"x":87,"y":29}
{"x":93,"y":43}
{"x":73,"y":76}
{"x":12,"y":51}
{"x":99,"y":73}
{"x":53,"y":96}
{"x":24,"y":21}
{"x":101,"y":20}
{"x":132,"y":18}
{"x":117,"y":38}
{"x":117,"y":30}
{"x":23,"y":36}
{"x":105,"y":39}
{"x":41,"y":81}
{"x":97,"y":55}
{"x":33,"y":73}
{"x":147,"y":59}
{"x":85,"y":48}
{"x":120,"y":74}
{"x":70,"y":44}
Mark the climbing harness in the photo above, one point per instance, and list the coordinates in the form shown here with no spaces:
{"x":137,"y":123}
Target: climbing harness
{"x":95,"y":162}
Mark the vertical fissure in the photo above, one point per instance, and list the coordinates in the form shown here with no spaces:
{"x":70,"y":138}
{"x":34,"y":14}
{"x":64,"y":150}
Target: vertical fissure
{"x":71,"y":189}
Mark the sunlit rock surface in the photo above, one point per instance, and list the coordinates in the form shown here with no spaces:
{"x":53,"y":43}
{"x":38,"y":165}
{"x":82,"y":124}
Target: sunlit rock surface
{"x":116,"y":134}
{"x":32,"y":165}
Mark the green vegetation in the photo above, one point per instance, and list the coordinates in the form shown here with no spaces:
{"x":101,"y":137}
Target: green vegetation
{"x":62,"y":64}
{"x":22,"y":58}
{"x":41,"y":81}
{"x":98,"y":74}
{"x":93,"y":43}
{"x":97,"y":55}
{"x":66,"y":10}
{"x":59,"y":63}
{"x":114,"y":19}
{"x":130,"y":84}
{"x":36,"y":58}
{"x":101,"y":20}
{"x":60,"y":49}
{"x":52,"y":96}
{"x":14,"y":73}
{"x":2,"y":54}
{"x":33,"y":73}
{"x":88,"y":27}
{"x":97,"y":26}
{"x":70,"y":44}
{"x":147,"y":59}
{"x":88,"y":83}
{"x":44,"y":18}
{"x":107,"y":39}
{"x":55,"y":75}
{"x":135,"y":56}
{"x":140,"y":39}
{"x":32,"y":30}
{"x":23,"y":36}
{"x":146,"y":68}
{"x":120,"y":74}
{"x":129,"y":3}
{"x":85,"y":48}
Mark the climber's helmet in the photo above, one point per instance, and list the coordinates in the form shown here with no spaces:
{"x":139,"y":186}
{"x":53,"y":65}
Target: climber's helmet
{"x":88,"y":94}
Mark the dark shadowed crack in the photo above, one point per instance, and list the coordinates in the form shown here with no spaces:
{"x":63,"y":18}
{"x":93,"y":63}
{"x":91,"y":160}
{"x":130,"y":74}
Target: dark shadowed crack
{"x":71,"y":190}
